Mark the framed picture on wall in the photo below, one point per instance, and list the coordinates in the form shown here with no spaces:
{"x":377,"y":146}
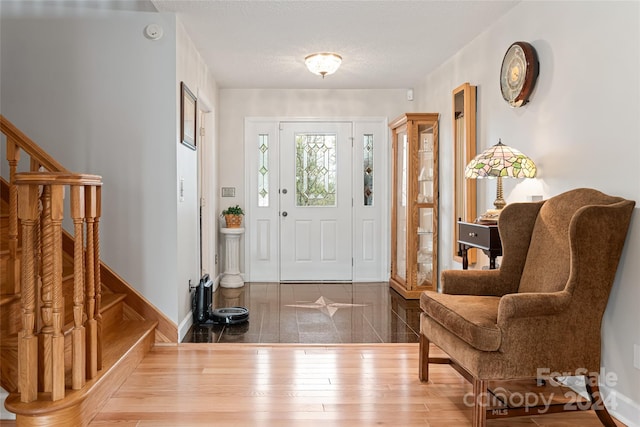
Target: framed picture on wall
{"x":187,"y":117}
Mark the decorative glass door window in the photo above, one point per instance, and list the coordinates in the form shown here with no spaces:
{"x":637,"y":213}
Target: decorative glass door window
{"x":367,"y":167}
{"x":316,"y":169}
{"x":263,"y":170}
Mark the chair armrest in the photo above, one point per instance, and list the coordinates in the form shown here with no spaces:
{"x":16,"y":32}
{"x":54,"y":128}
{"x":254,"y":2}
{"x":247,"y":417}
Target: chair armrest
{"x":475,"y":282}
{"x":513,"y":306}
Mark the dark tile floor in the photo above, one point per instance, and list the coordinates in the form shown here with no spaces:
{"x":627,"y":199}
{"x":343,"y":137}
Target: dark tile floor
{"x":314,"y":313}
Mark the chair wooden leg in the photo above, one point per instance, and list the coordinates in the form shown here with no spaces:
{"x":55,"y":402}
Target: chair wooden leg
{"x":480,"y":402}
{"x":423,"y":365}
{"x":593,"y":390}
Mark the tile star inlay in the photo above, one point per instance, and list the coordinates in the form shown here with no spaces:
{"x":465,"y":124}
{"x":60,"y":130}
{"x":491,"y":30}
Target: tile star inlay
{"x":325,"y":305}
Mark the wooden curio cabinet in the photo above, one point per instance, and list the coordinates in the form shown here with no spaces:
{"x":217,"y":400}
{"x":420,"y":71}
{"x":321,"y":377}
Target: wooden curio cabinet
{"x":414,"y":214}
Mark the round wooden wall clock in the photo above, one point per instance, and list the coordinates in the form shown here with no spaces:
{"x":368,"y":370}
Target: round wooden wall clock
{"x":518,"y":73}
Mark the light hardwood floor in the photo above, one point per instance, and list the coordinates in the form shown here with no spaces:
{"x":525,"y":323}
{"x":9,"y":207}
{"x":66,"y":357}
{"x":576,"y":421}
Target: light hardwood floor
{"x":297,"y":385}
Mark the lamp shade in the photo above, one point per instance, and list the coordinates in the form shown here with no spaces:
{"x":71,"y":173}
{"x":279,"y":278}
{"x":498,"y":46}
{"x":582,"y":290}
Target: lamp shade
{"x":500,"y":161}
{"x":324,"y":63}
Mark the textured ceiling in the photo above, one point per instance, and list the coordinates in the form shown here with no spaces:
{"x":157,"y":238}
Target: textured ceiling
{"x":384,"y":44}
{"x":387,"y":44}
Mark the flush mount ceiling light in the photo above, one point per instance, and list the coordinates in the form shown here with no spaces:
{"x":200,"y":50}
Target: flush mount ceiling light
{"x":323,"y":63}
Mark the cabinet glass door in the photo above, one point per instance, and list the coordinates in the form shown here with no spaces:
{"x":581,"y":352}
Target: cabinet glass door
{"x":424,"y":260}
{"x":425,"y":166}
{"x":401,"y":207}
{"x":424,"y":200}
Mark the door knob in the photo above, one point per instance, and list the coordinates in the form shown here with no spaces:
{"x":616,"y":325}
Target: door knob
{"x":284,"y":213}
{"x":284,"y":191}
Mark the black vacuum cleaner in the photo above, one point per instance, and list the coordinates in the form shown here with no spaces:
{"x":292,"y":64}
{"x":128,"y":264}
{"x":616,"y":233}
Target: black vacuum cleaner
{"x":204,"y":314}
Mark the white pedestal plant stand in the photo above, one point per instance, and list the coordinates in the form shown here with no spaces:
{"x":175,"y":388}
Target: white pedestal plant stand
{"x":231,"y":277}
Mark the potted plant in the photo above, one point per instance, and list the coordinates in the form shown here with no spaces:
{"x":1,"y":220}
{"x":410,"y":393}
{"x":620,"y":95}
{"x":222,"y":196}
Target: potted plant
{"x":233,"y":216}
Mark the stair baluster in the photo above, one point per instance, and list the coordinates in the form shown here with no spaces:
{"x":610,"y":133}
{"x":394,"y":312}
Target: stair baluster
{"x":45,"y":377}
{"x":28,"y":341}
{"x":78,"y":333}
{"x":57,"y":314}
{"x":92,"y":323}
{"x":13,"y":156}
{"x":95,"y":201}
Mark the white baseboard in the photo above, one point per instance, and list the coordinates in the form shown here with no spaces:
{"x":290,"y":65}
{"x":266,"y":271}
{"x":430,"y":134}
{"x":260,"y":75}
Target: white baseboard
{"x":184,"y":325}
{"x":619,"y":406}
{"x":624,"y":409}
{"x":4,"y":414}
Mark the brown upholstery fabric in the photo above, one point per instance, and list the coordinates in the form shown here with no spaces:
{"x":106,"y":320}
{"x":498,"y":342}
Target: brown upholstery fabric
{"x":548,"y":263}
{"x":543,"y":308}
{"x":473,"y":319}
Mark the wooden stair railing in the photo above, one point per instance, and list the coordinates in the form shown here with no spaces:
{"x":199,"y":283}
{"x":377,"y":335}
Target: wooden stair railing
{"x":16,"y":141}
{"x":36,"y":200}
{"x":52,"y":364}
{"x":41,"y":339}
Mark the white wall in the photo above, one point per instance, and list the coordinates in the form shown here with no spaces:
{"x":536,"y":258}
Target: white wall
{"x":581,"y":128}
{"x":101,"y":98}
{"x":191,"y":69}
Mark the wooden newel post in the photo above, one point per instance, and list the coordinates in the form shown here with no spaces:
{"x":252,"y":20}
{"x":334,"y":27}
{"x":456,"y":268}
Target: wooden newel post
{"x":28,"y":341}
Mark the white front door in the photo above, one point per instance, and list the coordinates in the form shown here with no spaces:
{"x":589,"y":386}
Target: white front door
{"x":315,"y":201}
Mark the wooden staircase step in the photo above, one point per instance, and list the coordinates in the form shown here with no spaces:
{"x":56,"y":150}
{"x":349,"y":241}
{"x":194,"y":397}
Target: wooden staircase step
{"x":4,"y":195}
{"x":67,"y":265}
{"x":9,"y":312}
{"x":4,"y":267}
{"x":6,"y":299}
{"x":126,"y":344}
{"x":111,"y":309}
{"x":4,"y":231}
{"x":9,"y":315}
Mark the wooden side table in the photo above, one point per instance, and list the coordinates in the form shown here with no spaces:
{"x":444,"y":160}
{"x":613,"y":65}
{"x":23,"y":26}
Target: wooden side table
{"x":481,"y":236}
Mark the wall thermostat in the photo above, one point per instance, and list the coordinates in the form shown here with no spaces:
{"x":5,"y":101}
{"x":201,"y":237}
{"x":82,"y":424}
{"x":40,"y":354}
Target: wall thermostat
{"x":153,"y":31}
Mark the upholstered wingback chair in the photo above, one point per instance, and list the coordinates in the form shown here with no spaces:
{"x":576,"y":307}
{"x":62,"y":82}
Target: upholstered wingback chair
{"x":539,"y":312}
